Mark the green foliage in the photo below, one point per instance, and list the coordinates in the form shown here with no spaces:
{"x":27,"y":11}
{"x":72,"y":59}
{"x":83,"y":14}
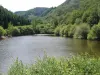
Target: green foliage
{"x":26,"y":30}
{"x":2,"y":31}
{"x":72,"y":31}
{"x":17,"y":68}
{"x":44,"y":29}
{"x":78,"y":65}
{"x":64,"y":30}
{"x":91,"y":17}
{"x":57,"y":30}
{"x":15,"y":31}
{"x":75,"y":16}
{"x":35,"y":22}
{"x":82,"y":31}
{"x":94,"y":32}
{"x":59,"y":14}
{"x":10,"y":29}
{"x":75,"y":12}
{"x":19,"y":30}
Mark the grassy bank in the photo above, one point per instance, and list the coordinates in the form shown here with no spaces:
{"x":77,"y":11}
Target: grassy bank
{"x":79,"y":65}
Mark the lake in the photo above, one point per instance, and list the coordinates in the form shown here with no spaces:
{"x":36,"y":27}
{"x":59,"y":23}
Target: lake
{"x":28,"y":48}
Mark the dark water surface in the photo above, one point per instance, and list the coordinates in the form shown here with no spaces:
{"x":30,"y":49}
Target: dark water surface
{"x":28,"y":48}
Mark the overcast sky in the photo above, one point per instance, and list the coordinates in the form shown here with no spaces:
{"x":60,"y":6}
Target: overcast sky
{"x":22,"y":5}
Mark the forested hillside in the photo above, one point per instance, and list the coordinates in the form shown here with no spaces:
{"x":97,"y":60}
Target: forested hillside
{"x":33,"y":13}
{"x":76,"y":18}
{"x":72,"y":11}
{"x":7,"y":16}
{"x":60,"y":14}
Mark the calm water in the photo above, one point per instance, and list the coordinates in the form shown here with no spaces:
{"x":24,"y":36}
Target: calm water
{"x":28,"y":48}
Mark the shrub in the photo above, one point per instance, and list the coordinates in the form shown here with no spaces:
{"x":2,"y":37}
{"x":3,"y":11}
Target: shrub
{"x":22,"y":29}
{"x":2,"y":31}
{"x":94,"y":32}
{"x":9,"y":29}
{"x":44,"y":29}
{"x":57,"y":30}
{"x":26,"y":30}
{"x":66,"y":30}
{"x":78,"y":65}
{"x":72,"y":31}
{"x":15,"y":31}
{"x":29,"y":30}
{"x":17,"y":68}
{"x":62,"y":31}
{"x":82,"y":31}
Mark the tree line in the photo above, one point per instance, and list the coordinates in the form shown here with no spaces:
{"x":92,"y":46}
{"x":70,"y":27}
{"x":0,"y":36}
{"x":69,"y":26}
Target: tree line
{"x":7,"y":17}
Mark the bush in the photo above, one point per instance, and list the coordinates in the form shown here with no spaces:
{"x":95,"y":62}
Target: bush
{"x":94,"y":32}
{"x":57,"y":30}
{"x":72,"y":31}
{"x":79,"y":65}
{"x":82,"y":31}
{"x":45,"y":29}
{"x":15,"y":31}
{"x":22,"y":29}
{"x":26,"y":30}
{"x":9,"y":29}
{"x":2,"y":31}
{"x":66,"y":30}
{"x":62,"y":31}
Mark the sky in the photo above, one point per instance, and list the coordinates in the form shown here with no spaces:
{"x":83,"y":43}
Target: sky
{"x":23,"y":5}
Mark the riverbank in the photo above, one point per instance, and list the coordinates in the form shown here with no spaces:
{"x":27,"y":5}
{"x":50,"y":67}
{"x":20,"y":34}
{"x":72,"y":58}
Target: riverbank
{"x":79,"y":31}
{"x":3,"y":37}
{"x":78,"y":65}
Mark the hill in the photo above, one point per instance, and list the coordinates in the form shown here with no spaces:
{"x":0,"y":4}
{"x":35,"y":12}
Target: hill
{"x":69,"y":12}
{"x":73,"y":11}
{"x":36,"y":12}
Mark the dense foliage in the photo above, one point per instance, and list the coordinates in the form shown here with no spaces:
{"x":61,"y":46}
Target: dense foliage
{"x":79,"y":65}
{"x":82,"y":31}
{"x":76,"y":11}
{"x":44,"y":29}
{"x":75,"y":31}
{"x":2,"y":31}
{"x":94,"y":32}
{"x":20,"y":30}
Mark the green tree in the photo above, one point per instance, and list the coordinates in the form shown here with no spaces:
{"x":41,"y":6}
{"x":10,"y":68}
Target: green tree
{"x":15,"y":31}
{"x":10,"y":29}
{"x":2,"y":31}
{"x":72,"y":31}
{"x":94,"y":32}
{"x":57,"y":30}
{"x":82,"y":31}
